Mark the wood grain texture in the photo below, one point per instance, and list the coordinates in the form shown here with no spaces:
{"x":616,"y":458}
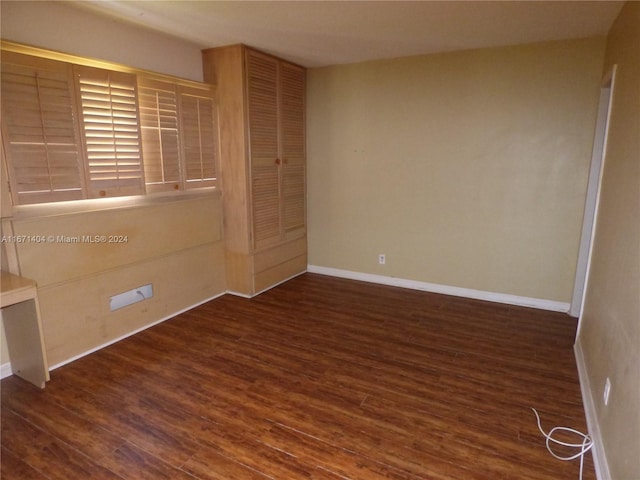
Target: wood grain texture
{"x":319,"y":378}
{"x":151,"y":231}
{"x":262,"y":121}
{"x":224,"y":67}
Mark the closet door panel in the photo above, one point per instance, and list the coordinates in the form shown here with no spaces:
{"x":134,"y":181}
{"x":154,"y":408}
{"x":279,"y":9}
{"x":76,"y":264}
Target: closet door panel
{"x":292,"y":113}
{"x":262,"y":96}
{"x":292,"y":138}
{"x":265,"y":202}
{"x":262,"y":93}
{"x":293,"y":201}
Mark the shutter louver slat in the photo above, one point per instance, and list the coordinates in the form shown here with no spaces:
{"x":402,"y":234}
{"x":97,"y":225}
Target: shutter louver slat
{"x":265,"y":203}
{"x":262,"y":93}
{"x":292,"y":113}
{"x":199,"y":127}
{"x":292,"y":116}
{"x":71,"y":131}
{"x":293,"y":197}
{"x":263,"y":108}
{"x":111,"y":132}
{"x":40,"y":128}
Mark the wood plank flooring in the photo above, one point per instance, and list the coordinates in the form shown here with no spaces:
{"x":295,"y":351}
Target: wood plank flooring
{"x":319,"y":378}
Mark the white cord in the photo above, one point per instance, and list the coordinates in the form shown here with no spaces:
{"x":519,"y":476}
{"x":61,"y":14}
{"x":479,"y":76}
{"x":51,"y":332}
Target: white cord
{"x":584,"y":447}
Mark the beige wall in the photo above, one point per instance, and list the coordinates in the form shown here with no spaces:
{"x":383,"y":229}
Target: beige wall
{"x":466,"y":169}
{"x":609,"y":338}
{"x":57,"y":26}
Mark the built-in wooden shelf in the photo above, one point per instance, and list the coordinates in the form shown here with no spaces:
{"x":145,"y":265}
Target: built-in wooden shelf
{"x":23,"y":328}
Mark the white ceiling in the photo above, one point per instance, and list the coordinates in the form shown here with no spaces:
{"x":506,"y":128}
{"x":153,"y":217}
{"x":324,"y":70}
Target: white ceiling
{"x":317,"y":33}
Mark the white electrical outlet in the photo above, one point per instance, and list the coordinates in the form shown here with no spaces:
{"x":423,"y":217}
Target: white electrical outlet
{"x":607,"y":390}
{"x":382,"y":259}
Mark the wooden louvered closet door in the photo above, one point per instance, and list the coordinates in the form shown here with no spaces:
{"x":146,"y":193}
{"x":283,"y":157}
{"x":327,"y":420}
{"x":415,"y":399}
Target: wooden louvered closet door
{"x":262,"y":90}
{"x":262,"y":165}
{"x":277,"y":149}
{"x":292,"y":141}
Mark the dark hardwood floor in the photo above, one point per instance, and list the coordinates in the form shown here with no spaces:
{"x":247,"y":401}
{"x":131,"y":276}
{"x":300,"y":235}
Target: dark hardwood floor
{"x":319,"y":378}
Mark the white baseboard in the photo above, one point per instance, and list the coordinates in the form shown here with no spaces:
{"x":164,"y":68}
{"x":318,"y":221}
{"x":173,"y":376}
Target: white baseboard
{"x":443,"y":289}
{"x":599,"y":457}
{"x":5,"y":370}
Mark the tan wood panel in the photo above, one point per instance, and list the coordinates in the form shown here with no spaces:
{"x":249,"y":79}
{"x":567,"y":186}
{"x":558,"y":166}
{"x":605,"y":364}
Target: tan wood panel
{"x":70,"y":249}
{"x":15,"y":289}
{"x":269,"y":258}
{"x":23,"y":328}
{"x":239,"y":273}
{"x":76,"y":316}
{"x":25,"y":341}
{"x":225,"y":68}
{"x":280,"y":272}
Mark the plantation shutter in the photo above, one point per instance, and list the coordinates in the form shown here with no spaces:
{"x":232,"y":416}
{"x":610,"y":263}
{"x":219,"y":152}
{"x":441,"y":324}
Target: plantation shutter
{"x":111,"y":131}
{"x":199,"y":128}
{"x":40,"y":130}
{"x":158,"y":102}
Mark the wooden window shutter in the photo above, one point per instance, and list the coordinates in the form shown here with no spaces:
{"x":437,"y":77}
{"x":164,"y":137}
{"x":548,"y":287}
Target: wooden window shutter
{"x":111,"y":131}
{"x":199,"y":129}
{"x":158,"y":103}
{"x":292,"y":128}
{"x":40,"y":130}
{"x":265,"y":205}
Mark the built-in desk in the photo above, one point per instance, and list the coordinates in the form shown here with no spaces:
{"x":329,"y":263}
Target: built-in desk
{"x":23,"y":328}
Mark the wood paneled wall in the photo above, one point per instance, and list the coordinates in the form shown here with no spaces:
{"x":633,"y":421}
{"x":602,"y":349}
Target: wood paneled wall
{"x":175,"y":245}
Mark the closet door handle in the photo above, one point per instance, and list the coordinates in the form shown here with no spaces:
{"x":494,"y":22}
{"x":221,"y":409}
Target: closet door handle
{"x":277,"y":161}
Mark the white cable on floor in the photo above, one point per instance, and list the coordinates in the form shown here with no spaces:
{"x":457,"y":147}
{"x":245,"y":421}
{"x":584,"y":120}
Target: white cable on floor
{"x":584,"y":447}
